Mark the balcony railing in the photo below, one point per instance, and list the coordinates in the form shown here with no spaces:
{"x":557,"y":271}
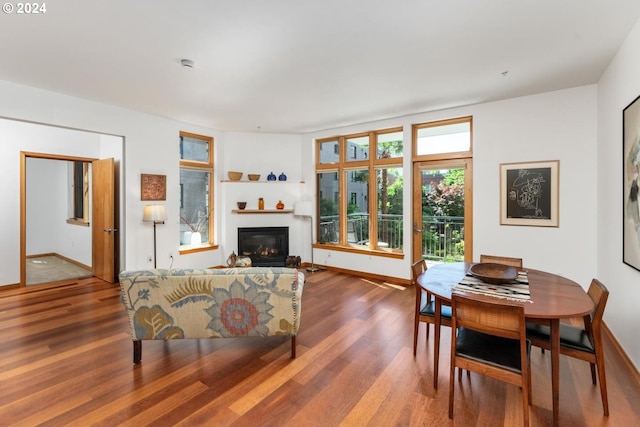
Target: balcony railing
{"x":442,"y":236}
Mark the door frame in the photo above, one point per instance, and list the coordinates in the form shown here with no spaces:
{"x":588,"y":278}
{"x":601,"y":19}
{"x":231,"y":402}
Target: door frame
{"x":465,"y":163}
{"x":24,"y":155}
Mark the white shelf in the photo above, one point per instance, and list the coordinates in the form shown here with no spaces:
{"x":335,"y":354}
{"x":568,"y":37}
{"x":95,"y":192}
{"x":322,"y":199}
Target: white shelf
{"x":262,"y":211}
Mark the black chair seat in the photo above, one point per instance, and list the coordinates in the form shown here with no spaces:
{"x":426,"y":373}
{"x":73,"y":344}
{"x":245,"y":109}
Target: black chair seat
{"x":430,"y":310}
{"x":570,"y":336}
{"x":490,"y":349}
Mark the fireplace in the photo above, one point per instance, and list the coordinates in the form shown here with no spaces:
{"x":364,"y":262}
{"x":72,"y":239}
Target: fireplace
{"x":266,"y":246}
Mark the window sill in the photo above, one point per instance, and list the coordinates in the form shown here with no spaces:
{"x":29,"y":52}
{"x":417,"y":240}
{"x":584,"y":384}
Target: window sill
{"x":80,"y":222}
{"x":188,"y":249}
{"x":358,"y":249}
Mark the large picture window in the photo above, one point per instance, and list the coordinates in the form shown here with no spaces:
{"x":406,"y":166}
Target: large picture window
{"x":359,"y":186}
{"x":196,"y":192}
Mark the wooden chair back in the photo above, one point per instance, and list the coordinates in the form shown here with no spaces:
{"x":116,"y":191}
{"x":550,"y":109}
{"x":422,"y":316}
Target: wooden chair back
{"x":498,"y":318}
{"x":513,"y":262}
{"x":502,"y":319}
{"x":417,"y":268}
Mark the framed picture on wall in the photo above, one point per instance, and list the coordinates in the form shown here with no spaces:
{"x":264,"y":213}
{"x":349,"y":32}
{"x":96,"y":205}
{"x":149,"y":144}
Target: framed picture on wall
{"x":529,"y":193}
{"x":631,"y":169}
{"x":153,"y":187}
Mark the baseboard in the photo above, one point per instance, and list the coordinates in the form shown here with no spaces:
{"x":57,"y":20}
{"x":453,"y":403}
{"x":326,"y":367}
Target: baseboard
{"x":621,"y":352}
{"x":69,"y":260}
{"x":365,"y":275}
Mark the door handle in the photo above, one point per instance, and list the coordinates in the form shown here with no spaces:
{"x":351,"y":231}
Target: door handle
{"x":416,"y":230}
{"x":110,"y":230}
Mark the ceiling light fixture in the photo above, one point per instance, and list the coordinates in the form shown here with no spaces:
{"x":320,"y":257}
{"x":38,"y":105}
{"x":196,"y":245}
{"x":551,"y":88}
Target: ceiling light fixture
{"x":187,"y":63}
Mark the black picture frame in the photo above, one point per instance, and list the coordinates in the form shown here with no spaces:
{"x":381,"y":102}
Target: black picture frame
{"x":529,"y":193}
{"x":630,"y":184}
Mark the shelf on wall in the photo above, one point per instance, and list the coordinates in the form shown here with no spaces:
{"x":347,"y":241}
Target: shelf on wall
{"x":261,"y":211}
{"x":262,"y":182}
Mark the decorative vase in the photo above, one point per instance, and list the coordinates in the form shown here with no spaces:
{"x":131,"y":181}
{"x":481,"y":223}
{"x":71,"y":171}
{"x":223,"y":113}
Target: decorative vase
{"x":282,"y":177}
{"x":260,"y":203}
{"x":196,"y":238}
{"x":186,"y":240}
{"x":231,"y":261}
{"x":280,"y":205}
{"x":271,"y":177}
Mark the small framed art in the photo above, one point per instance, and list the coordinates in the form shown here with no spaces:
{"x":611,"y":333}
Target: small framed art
{"x":529,"y":193}
{"x":153,"y":187}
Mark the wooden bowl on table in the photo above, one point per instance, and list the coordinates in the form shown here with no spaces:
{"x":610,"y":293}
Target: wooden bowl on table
{"x":254,"y":176}
{"x":493,"y":273}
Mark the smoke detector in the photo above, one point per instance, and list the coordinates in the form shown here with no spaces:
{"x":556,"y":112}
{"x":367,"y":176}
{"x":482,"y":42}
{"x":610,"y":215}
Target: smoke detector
{"x":187,"y":63}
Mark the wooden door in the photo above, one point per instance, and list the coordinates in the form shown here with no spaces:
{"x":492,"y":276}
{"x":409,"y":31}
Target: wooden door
{"x":103,"y":220}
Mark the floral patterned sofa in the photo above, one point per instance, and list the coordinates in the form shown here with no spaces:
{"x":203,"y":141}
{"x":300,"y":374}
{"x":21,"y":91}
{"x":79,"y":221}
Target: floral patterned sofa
{"x":212,"y":303}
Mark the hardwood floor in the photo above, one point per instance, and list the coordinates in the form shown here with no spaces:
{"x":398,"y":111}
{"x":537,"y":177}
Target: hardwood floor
{"x":66,"y":359}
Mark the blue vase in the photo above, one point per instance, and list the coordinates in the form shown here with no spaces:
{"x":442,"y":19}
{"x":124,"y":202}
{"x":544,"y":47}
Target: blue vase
{"x":282,"y":177}
{"x":271,"y":177}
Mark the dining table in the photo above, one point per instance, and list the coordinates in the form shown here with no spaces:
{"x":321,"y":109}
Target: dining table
{"x":552,"y":298}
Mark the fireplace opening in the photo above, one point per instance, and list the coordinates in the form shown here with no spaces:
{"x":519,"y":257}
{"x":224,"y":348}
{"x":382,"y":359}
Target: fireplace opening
{"x":266,"y":246}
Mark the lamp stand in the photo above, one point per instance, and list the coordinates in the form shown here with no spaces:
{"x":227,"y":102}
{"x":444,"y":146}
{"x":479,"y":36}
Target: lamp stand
{"x":154,"y":242}
{"x":313,"y":268}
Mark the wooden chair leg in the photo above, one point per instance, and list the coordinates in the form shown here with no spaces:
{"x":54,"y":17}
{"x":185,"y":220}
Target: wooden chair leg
{"x":415,"y":334}
{"x":603,"y":381}
{"x":137,"y":351}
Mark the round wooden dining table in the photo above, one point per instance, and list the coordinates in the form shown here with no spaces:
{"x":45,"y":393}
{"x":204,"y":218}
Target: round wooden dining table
{"x":553,"y":298}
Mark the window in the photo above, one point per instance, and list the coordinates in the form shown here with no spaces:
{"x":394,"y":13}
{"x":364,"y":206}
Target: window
{"x":78,"y":206}
{"x":196,"y":192}
{"x":366,"y":211}
{"x":451,"y":136}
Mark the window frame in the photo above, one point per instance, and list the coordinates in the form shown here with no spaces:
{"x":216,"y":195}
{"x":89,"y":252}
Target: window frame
{"x":344,"y":164}
{"x":201,"y":166}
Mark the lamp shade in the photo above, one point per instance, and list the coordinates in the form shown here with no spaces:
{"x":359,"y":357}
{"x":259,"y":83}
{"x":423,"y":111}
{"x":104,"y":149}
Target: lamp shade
{"x":155,"y":213}
{"x":303,"y":208}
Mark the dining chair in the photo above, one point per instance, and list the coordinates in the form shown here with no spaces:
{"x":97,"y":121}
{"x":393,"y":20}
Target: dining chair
{"x":425,"y":311}
{"x":513,"y":262}
{"x":584,"y":343}
{"x":490,"y":338}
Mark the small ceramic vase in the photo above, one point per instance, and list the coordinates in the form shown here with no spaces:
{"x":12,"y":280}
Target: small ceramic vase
{"x":280,"y":205}
{"x":271,"y":177}
{"x":261,"y":204}
{"x":282,"y":177}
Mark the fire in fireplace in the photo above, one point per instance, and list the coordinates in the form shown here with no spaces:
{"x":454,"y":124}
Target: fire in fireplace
{"x":266,"y":246}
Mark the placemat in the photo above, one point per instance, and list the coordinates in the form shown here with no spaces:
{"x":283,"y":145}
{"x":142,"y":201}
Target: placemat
{"x":518,"y":290}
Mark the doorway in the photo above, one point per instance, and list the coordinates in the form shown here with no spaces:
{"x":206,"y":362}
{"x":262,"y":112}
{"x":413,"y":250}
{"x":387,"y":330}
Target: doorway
{"x":55,"y":242}
{"x":442,"y":213}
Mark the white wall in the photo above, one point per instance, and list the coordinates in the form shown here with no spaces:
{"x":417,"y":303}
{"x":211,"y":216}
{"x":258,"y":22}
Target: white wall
{"x":17,"y":136}
{"x":619,"y":86}
{"x":150,"y":146}
{"x":551,"y":126}
{"x":262,"y":154}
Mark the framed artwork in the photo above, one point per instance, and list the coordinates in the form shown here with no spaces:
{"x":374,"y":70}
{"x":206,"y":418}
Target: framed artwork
{"x":529,"y":193}
{"x":153,"y":187}
{"x":631,"y":168}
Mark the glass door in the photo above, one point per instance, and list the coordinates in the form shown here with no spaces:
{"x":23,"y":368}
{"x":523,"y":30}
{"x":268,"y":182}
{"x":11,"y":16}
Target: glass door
{"x":442,"y":226}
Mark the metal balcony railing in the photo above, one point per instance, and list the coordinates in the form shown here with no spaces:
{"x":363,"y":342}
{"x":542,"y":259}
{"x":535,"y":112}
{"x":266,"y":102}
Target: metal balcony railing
{"x":442,"y":236}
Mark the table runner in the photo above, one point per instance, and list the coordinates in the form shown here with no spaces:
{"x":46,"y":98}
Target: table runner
{"x":518,"y":290}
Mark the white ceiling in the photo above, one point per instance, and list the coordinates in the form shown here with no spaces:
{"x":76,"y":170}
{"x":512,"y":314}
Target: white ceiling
{"x":297,"y":66}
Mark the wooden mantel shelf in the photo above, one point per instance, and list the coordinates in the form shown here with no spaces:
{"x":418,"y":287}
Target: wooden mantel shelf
{"x":262,"y":211}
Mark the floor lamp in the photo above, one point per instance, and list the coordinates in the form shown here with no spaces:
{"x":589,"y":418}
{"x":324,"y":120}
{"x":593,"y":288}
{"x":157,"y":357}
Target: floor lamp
{"x":305,"y":209}
{"x":158,"y":215}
